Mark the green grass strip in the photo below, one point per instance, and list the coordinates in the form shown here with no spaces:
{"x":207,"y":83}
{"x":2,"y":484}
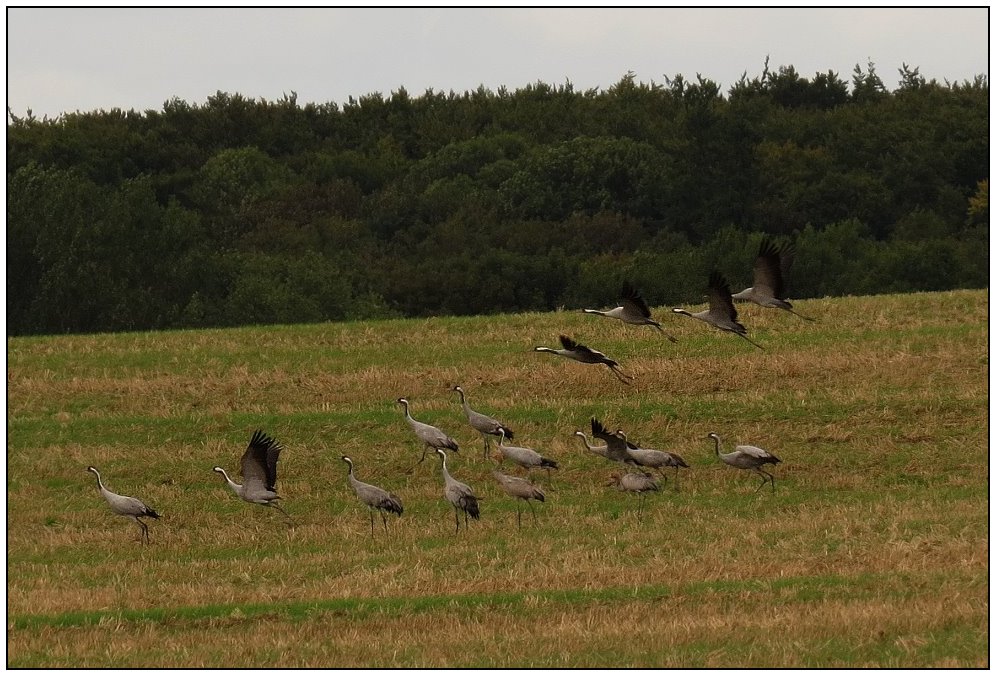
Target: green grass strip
{"x":803,"y":589}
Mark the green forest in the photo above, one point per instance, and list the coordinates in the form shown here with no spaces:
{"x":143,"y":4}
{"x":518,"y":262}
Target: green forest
{"x":243,"y":211}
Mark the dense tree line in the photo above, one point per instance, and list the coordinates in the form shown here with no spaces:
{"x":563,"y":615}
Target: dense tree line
{"x":242,"y":211}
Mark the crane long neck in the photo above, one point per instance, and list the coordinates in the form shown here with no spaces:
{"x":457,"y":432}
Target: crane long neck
{"x":234,"y":486}
{"x":100,"y":484}
{"x":408,"y":415}
{"x":715,"y":438}
{"x":463,"y":402}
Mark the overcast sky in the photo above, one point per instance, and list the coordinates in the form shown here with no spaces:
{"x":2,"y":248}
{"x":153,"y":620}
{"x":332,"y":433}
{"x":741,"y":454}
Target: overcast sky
{"x":87,"y":59}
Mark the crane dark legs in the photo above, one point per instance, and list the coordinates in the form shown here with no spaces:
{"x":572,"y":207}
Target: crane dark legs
{"x":748,"y":340}
{"x":766,"y":477}
{"x":425,"y":449}
{"x":383,"y":517}
{"x":145,"y":530}
{"x":290,"y":521}
{"x":623,"y":378}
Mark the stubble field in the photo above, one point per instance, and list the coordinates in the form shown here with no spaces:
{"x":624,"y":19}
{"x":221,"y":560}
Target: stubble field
{"x":871,"y":551}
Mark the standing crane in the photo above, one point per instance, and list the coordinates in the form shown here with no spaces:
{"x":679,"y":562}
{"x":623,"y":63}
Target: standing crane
{"x":635,"y":482}
{"x":585,"y":355}
{"x":771,"y":268}
{"x":484,"y":424}
{"x":431,"y":437}
{"x":259,"y":473}
{"x":634,"y":310}
{"x":521,"y":489}
{"x":373,"y":497}
{"x":749,"y":458}
{"x":721,"y":313}
{"x":458,"y":494}
{"x":654,"y":459}
{"x":524,"y":457}
{"x":126,"y":506}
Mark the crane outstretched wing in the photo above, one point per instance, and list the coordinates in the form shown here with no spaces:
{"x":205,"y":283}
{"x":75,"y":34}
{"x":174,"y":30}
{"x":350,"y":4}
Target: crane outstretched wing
{"x":633,"y":301}
{"x":720,"y":300}
{"x":259,"y":462}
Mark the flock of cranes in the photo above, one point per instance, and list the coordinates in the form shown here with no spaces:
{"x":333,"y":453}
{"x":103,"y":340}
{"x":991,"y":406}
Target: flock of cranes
{"x":260,"y":459}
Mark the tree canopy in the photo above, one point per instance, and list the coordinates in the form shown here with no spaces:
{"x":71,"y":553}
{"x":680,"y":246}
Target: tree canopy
{"x":241,"y":211}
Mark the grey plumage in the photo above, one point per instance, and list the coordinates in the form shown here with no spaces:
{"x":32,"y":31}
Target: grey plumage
{"x":259,"y":472}
{"x":523,"y":457}
{"x":721,"y":313}
{"x":585,"y":355}
{"x":771,"y":268}
{"x":636,"y":482}
{"x":373,"y":497}
{"x":749,"y":458}
{"x":654,"y":459}
{"x":484,"y":424}
{"x":521,"y":489}
{"x":125,"y":505}
{"x":458,"y":494}
{"x":431,"y":437}
{"x":633,"y":310}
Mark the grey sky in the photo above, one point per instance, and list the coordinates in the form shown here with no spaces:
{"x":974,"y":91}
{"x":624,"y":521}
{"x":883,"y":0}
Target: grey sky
{"x":86,"y":59}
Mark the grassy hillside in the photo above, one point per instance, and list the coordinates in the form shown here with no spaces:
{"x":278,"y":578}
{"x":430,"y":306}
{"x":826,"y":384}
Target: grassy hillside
{"x":872,"y":550}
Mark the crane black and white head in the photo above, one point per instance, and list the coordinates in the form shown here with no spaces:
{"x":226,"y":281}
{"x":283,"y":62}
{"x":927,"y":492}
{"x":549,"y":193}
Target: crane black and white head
{"x":93,"y":469}
{"x":346,"y":459}
{"x":217,"y":469}
{"x":402,"y":401}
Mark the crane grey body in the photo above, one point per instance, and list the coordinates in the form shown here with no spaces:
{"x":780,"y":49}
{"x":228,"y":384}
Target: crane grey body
{"x":431,"y":437}
{"x":634,"y":310}
{"x":458,"y":494}
{"x":126,"y":506}
{"x":635,"y":482}
{"x":749,"y":458}
{"x":259,"y":473}
{"x":524,"y":457}
{"x":654,"y":459}
{"x":373,"y":497}
{"x":585,"y":355}
{"x":522,"y":489}
{"x":721,"y":313}
{"x":771,"y":268}
{"x":485,"y":425}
